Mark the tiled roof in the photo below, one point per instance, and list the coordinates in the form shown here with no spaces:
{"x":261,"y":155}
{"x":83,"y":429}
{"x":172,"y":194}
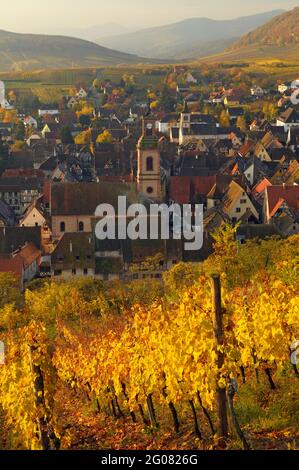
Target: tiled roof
{"x":277,"y":195}
{"x":83,"y":198}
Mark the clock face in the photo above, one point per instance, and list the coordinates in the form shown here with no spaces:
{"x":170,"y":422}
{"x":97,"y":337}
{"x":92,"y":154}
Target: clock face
{"x":149,"y":126}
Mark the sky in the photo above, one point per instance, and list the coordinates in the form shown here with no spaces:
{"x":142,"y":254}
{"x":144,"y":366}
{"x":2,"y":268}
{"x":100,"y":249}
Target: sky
{"x":36,"y":16}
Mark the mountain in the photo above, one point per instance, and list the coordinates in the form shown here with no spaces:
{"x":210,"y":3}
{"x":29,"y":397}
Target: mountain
{"x":283,"y":30}
{"x":92,"y":33}
{"x":35,"y":51}
{"x":190,"y":38}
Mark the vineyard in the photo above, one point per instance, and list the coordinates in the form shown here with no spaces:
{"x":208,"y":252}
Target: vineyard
{"x":186,"y":363}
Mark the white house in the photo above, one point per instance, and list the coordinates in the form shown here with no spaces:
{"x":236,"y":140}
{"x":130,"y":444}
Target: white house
{"x":48,"y":111}
{"x":81,"y":94}
{"x":30,"y":122}
{"x":257,"y":91}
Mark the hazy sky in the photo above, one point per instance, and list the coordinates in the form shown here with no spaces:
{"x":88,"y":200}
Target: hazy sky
{"x":49,"y":16}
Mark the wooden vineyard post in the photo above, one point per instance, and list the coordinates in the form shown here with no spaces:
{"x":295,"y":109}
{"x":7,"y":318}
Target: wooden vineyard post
{"x":46,"y":434}
{"x":219,"y":337}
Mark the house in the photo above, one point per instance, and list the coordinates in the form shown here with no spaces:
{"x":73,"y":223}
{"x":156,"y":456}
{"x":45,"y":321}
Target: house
{"x":255,"y":170}
{"x":233,"y":97}
{"x":23,"y":263}
{"x":283,"y":87}
{"x":81,"y":94}
{"x":257,"y":91}
{"x":48,"y":111}
{"x":258,"y":192}
{"x":19,"y":192}
{"x":72,"y":102}
{"x":37,"y":215}
{"x":30,"y":121}
{"x":288,"y":119}
{"x":236,"y":203}
{"x":51,"y":132}
{"x":168,"y":121}
{"x":34,"y":139}
{"x":73,"y":256}
{"x":281,"y":200}
{"x":191,"y":98}
{"x":72,"y":205}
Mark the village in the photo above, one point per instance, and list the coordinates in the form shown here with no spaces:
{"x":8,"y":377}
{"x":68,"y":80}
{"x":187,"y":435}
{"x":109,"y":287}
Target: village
{"x":185,"y":139}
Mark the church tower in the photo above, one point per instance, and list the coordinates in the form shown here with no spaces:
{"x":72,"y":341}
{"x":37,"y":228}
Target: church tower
{"x":148,"y":172}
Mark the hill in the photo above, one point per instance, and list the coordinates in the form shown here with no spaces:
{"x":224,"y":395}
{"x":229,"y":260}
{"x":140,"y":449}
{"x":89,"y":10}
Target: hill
{"x":283,"y":30}
{"x":190,"y":38}
{"x":34,"y":51}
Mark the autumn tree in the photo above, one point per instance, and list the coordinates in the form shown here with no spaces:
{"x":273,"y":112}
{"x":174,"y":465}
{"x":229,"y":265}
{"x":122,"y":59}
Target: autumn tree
{"x":224,"y":119}
{"x":105,"y":138}
{"x":241,"y":123}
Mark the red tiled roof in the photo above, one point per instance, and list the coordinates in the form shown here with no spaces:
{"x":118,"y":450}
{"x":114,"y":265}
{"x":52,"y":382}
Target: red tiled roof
{"x":28,"y":254}
{"x":23,"y":173}
{"x":261,"y":187}
{"x":277,"y":195}
{"x":182,"y":186}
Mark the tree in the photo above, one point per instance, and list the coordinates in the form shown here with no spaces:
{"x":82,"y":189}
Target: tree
{"x":19,"y":131}
{"x":224,"y":119}
{"x":241,"y":123}
{"x":167,"y":100}
{"x":84,"y":120}
{"x":9,"y":289}
{"x":105,"y":137}
{"x":84,"y":137}
{"x":66,"y":135}
{"x":96,"y":84}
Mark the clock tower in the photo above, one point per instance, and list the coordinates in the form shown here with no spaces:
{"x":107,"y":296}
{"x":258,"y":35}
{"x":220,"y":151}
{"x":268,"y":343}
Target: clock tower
{"x":148,"y":173}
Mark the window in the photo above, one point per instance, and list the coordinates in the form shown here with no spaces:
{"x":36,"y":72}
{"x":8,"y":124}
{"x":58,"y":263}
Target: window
{"x":74,"y":272}
{"x":150,"y":190}
{"x":149,"y":164}
{"x":62,"y":226}
{"x":243,"y":201}
{"x":81,"y":226}
{"x":57,"y":272}
{"x":238,"y":210}
{"x":85,"y":272}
